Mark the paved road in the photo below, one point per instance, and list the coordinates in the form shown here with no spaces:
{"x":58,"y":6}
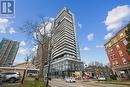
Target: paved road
{"x":62,"y":83}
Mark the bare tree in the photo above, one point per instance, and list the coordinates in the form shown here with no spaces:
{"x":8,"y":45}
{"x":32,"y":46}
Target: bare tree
{"x":26,"y":70}
{"x":36,"y":31}
{"x":99,"y":68}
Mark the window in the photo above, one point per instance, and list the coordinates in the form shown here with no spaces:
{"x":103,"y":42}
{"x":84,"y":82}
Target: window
{"x":114,"y":56}
{"x":117,"y":46}
{"x":115,"y":63}
{"x":124,"y":60}
{"x":121,"y":35}
{"x":120,"y":53}
{"x":111,"y":57}
{"x":109,"y":44}
{"x":125,"y":42}
{"x":111,"y":50}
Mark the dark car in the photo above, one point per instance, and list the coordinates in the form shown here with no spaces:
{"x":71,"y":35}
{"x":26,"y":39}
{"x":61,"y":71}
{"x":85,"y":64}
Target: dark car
{"x":1,"y":79}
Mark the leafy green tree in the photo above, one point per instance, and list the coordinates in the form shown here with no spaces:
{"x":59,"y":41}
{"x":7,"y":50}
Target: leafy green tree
{"x":128,"y":39}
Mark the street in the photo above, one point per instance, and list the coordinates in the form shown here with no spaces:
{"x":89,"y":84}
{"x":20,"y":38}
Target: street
{"x":62,"y":83}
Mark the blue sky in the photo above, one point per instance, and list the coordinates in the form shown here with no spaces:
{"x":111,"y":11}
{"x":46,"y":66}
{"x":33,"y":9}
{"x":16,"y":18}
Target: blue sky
{"x":96,"y":21}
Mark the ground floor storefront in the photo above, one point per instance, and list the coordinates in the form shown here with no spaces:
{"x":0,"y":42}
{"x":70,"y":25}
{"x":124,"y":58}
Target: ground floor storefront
{"x":65,"y":68}
{"x":63,"y":74}
{"x":122,"y":72}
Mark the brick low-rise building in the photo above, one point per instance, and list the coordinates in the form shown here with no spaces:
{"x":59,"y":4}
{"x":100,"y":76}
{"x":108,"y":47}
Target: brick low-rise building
{"x":118,"y":57}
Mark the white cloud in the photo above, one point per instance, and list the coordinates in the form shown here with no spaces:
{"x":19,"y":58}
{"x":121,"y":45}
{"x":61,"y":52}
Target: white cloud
{"x":11,"y":31}
{"x":79,"y":25}
{"x":86,"y":49}
{"x":34,"y":35}
{"x":17,"y":61}
{"x":47,"y":28}
{"x":49,"y":18}
{"x":44,"y":30}
{"x":99,"y":46}
{"x":34,"y":48}
{"x":117,"y":16}
{"x":90,"y":36}
{"x":22,"y":51}
{"x":3,"y":25}
{"x":22,"y":43}
{"x":108,"y":36}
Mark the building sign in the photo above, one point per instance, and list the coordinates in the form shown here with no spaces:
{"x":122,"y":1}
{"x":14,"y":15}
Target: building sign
{"x":7,"y":8}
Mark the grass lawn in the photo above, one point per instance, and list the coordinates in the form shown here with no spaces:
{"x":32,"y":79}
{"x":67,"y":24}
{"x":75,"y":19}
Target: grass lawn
{"x":28,"y":83}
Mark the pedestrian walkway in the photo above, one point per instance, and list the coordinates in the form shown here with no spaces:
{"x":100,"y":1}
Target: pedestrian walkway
{"x":79,"y":83}
{"x":124,"y":82}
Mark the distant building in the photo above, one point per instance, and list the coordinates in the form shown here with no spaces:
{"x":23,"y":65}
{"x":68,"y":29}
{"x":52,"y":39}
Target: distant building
{"x":8,"y":51}
{"x":65,"y":53}
{"x":31,"y":69}
{"x":118,"y":57}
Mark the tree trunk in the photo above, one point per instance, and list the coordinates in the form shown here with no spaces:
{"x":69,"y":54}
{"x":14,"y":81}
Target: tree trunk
{"x":41,"y":76}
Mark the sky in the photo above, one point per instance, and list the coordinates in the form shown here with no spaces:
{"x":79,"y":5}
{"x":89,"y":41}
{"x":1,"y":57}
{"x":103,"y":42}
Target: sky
{"x":96,"y":22}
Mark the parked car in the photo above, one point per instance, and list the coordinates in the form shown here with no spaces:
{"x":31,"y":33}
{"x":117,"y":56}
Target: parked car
{"x":11,"y":77}
{"x":102,"y":78}
{"x":1,"y":79}
{"x":70,"y":79}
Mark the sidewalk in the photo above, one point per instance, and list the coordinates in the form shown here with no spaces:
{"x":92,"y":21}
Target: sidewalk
{"x":125,"y":82}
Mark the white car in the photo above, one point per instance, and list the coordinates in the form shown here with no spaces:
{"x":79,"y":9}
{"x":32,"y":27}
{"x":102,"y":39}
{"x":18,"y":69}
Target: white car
{"x":11,"y":77}
{"x":102,"y":78}
{"x":70,"y":79}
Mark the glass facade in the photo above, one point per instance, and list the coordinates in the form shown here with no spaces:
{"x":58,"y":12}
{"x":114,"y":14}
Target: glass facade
{"x":65,"y":54}
{"x":66,"y":66}
{"x":8,"y":51}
